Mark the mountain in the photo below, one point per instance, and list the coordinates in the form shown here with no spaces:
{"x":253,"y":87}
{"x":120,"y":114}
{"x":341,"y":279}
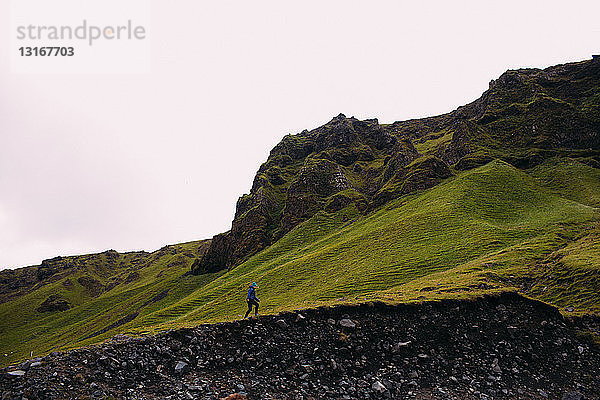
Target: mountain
{"x":500,"y":195}
{"x":525,"y":117}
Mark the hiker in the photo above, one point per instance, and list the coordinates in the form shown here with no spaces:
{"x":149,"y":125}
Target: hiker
{"x":252,"y":299}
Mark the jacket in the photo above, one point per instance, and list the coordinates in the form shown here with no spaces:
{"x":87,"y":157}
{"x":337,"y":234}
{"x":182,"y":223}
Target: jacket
{"x":252,"y":294}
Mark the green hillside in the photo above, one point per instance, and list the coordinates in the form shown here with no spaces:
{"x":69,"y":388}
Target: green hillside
{"x":101,"y":289}
{"x":526,"y":117}
{"x":500,"y":194}
{"x":491,"y":228}
{"x":495,"y":212}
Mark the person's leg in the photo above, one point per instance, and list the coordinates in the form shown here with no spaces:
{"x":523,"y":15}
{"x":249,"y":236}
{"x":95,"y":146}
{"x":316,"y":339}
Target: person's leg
{"x":255,"y":307}
{"x":249,"y":309}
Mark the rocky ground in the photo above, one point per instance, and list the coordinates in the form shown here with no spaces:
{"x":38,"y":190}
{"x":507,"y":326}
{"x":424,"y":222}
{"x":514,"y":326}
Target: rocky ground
{"x":495,"y":347}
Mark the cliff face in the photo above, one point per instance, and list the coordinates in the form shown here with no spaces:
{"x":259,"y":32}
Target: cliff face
{"x":525,"y":116}
{"x":346,"y":161}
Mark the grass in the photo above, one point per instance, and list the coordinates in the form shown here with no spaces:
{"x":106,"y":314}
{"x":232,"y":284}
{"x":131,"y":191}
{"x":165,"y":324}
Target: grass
{"x":482,"y":212}
{"x":434,"y":141}
{"x":570,"y":178}
{"x":24,"y":329}
{"x":490,"y":229}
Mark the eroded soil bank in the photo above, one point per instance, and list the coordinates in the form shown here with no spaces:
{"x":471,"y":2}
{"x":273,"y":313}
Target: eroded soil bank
{"x":505,"y":346}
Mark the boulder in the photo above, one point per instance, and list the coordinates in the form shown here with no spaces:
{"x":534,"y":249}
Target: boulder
{"x":182,"y":367}
{"x":281,"y":323}
{"x":378,"y":387}
{"x":347,"y":323}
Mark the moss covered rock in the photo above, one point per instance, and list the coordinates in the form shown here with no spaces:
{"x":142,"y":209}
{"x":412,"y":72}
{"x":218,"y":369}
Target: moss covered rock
{"x":54,"y":303}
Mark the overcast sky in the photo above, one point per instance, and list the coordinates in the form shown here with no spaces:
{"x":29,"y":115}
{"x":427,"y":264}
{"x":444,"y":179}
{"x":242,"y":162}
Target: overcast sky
{"x":138,"y":161}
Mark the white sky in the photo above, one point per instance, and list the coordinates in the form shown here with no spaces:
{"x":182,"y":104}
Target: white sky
{"x":132,"y":162}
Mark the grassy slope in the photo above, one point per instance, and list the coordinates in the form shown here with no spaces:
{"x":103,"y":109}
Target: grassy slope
{"x":23,"y":329}
{"x":571,"y":179}
{"x":493,"y":212}
{"x":491,"y":228}
{"x":571,"y":274}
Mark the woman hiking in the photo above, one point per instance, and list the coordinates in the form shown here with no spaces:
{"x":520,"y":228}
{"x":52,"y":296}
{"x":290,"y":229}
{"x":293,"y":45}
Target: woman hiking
{"x":252,"y":299}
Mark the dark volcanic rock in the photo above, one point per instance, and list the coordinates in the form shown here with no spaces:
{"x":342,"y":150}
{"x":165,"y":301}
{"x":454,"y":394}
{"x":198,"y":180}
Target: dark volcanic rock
{"x":503,"y":347}
{"x":93,"y":286}
{"x":54,"y":303}
{"x":215,"y":257}
{"x":317,"y":180}
{"x":52,"y":266}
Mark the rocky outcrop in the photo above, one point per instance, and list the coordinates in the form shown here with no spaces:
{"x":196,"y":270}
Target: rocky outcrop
{"x":557,"y":108}
{"x":92,"y":286}
{"x":501,"y":347}
{"x":421,"y":174}
{"x":333,"y":166}
{"x":54,"y":303}
{"x":554,"y":108}
{"x":317,"y":180}
{"x":215,"y":256}
{"x":53,"y":266}
{"x":14,"y":282}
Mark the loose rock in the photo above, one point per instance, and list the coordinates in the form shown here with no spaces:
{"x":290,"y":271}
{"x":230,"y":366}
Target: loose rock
{"x":181,"y":367}
{"x":462,"y":350}
{"x":347,"y":323}
{"x":378,"y":387}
